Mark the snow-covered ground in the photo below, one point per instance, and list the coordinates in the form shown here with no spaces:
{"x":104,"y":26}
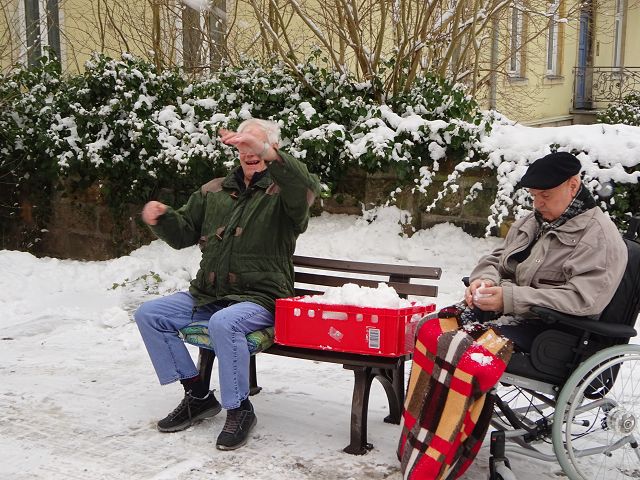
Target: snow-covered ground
{"x":79,"y":398}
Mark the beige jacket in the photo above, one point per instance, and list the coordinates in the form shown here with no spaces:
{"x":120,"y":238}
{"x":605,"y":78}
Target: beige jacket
{"x":574,"y":269}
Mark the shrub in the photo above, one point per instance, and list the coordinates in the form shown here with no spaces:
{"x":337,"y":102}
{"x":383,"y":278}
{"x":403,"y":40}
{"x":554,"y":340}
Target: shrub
{"x":627,"y":112}
{"x":29,"y":99}
{"x":626,"y":197}
{"x":133,"y":130}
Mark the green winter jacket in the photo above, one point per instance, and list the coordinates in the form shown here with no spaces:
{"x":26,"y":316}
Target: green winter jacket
{"x":247,"y":237}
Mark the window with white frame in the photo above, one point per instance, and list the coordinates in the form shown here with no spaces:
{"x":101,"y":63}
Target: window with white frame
{"x":552,"y":38}
{"x":619,"y":34}
{"x":515,"y":36}
{"x":202,"y":29}
{"x":39,"y":27}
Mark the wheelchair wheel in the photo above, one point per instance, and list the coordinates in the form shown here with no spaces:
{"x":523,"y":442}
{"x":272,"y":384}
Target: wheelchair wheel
{"x":596,"y":425}
{"x":504,"y":473}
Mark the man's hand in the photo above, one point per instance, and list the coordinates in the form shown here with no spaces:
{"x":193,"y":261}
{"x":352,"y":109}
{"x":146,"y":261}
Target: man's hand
{"x":470,"y":292}
{"x":489,"y":299}
{"x":152,"y":211}
{"x":249,"y":142}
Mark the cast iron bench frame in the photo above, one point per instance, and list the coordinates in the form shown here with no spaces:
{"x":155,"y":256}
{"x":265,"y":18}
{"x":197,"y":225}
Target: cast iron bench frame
{"x":389,"y":371}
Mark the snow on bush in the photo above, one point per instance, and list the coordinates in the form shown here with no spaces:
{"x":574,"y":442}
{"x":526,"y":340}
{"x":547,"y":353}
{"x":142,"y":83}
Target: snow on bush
{"x":134,"y":131}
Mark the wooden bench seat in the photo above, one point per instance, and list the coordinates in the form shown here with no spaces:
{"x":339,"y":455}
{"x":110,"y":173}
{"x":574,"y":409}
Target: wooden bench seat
{"x":312,"y":273}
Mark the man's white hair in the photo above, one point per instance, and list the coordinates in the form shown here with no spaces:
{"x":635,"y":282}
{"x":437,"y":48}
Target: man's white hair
{"x":270,"y":128}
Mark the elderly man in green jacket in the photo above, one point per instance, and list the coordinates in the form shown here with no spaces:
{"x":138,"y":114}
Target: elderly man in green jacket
{"x":246,"y":225}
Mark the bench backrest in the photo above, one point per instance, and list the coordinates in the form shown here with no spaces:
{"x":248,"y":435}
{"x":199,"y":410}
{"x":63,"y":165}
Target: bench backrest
{"x":312,"y":272}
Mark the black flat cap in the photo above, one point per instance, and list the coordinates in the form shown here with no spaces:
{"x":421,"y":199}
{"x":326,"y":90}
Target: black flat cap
{"x":550,"y":171}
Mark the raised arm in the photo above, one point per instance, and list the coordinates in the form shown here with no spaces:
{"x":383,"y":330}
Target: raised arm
{"x":179,"y":228}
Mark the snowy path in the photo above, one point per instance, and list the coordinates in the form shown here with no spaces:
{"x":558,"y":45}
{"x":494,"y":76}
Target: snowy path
{"x":79,"y":399}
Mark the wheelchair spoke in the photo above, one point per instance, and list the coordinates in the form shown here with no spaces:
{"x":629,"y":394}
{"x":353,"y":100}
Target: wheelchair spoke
{"x":601,"y":413}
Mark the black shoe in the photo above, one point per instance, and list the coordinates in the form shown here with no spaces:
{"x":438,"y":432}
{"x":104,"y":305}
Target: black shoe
{"x":190,"y":411}
{"x":236,"y":429}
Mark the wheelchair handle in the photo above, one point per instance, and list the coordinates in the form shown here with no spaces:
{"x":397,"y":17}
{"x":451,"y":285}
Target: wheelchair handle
{"x":633,"y":230}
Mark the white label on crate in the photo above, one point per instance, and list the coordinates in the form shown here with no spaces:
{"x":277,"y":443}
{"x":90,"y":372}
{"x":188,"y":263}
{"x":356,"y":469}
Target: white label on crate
{"x":359,"y":317}
{"x":374,"y":318}
{"x":296,"y":312}
{"x":311,"y":313}
{"x":334,"y":315}
{"x":374,"y":337}
{"x":335,"y":334}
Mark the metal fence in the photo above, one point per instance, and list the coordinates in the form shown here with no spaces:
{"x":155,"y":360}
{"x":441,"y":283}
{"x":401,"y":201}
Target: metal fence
{"x":597,"y":87}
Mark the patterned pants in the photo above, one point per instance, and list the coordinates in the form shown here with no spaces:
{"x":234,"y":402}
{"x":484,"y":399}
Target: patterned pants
{"x":448,"y":409}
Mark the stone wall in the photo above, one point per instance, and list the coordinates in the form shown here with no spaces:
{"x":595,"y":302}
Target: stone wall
{"x":367,"y":190}
{"x":82,"y":226}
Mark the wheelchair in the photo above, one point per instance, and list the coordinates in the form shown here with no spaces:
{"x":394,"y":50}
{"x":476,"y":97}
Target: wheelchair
{"x":575,"y":398}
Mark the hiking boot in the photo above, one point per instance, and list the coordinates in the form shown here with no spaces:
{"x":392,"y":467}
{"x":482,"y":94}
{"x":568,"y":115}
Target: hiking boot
{"x":191,"y":410}
{"x":236,"y":429}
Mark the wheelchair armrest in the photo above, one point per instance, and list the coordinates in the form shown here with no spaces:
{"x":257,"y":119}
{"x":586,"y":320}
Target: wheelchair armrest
{"x":582,"y":323}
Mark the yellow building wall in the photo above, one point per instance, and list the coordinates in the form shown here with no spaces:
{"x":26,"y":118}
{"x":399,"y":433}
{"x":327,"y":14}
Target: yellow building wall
{"x":86,"y":26}
{"x":605,"y":34}
{"x":536,"y":98}
{"x":632,"y":37}
{"x":11,"y":46}
{"x":541,"y":100}
{"x":108,"y":27}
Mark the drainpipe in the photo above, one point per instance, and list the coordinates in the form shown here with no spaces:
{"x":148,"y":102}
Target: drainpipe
{"x":53,"y":27}
{"x":493,"y":78}
{"x":32,"y":25}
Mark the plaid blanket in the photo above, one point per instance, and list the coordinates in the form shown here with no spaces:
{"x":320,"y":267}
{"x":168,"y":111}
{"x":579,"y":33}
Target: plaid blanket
{"x":448,"y":407}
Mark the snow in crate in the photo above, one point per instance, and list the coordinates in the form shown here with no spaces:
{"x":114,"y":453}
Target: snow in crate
{"x":383,"y":296}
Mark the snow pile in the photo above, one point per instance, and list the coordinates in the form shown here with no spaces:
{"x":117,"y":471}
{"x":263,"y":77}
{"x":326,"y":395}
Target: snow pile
{"x":200,"y":5}
{"x":481,"y":358}
{"x":383,"y":296}
{"x":70,"y":358}
{"x":607,"y":153}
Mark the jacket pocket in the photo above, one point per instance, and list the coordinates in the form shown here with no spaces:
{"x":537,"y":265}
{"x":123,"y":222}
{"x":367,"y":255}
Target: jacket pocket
{"x":549,"y":278}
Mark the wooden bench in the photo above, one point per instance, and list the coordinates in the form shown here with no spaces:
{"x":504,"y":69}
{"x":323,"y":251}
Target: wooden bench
{"x":314,"y":272}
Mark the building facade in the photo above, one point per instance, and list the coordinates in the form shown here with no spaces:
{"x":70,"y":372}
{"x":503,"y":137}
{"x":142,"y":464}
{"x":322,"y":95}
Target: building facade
{"x":548,"y":62}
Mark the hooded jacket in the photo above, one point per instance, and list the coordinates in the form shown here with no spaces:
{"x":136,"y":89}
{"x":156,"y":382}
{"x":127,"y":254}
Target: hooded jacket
{"x":247,"y":235}
{"x":575,"y":268}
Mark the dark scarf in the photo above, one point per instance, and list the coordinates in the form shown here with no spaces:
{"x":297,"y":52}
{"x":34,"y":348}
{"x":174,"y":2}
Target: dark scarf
{"x":582,"y":202}
{"x":239,"y":174}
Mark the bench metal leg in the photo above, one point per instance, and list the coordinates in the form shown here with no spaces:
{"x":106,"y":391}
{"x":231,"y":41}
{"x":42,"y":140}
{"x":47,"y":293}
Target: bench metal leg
{"x":363,"y":376}
{"x":392,"y":379}
{"x":205,"y":367}
{"x":205,"y":364}
{"x":254,"y":389}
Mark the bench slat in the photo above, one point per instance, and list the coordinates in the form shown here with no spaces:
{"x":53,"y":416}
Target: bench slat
{"x":334,"y":281}
{"x":304,"y":291}
{"x":414,"y":289}
{"x":432,"y":273}
{"x":336,"y":357}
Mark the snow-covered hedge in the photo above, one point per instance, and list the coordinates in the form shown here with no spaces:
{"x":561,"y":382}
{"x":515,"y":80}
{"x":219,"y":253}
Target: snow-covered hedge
{"x":609,"y":154}
{"x":126,"y":125}
{"x":627,"y":112}
{"x":627,"y":195}
{"x":133,"y":131}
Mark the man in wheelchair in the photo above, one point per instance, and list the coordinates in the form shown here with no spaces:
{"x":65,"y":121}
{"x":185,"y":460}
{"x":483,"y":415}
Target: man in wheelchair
{"x":556,"y":272}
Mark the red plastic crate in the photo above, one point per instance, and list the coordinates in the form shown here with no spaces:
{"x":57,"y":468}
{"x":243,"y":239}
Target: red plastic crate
{"x":374,"y":331}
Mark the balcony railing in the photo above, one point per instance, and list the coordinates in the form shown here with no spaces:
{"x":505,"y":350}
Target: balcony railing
{"x":597,"y":87}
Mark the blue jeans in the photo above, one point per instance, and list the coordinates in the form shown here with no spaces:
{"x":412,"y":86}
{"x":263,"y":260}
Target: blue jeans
{"x":159,"y":321}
